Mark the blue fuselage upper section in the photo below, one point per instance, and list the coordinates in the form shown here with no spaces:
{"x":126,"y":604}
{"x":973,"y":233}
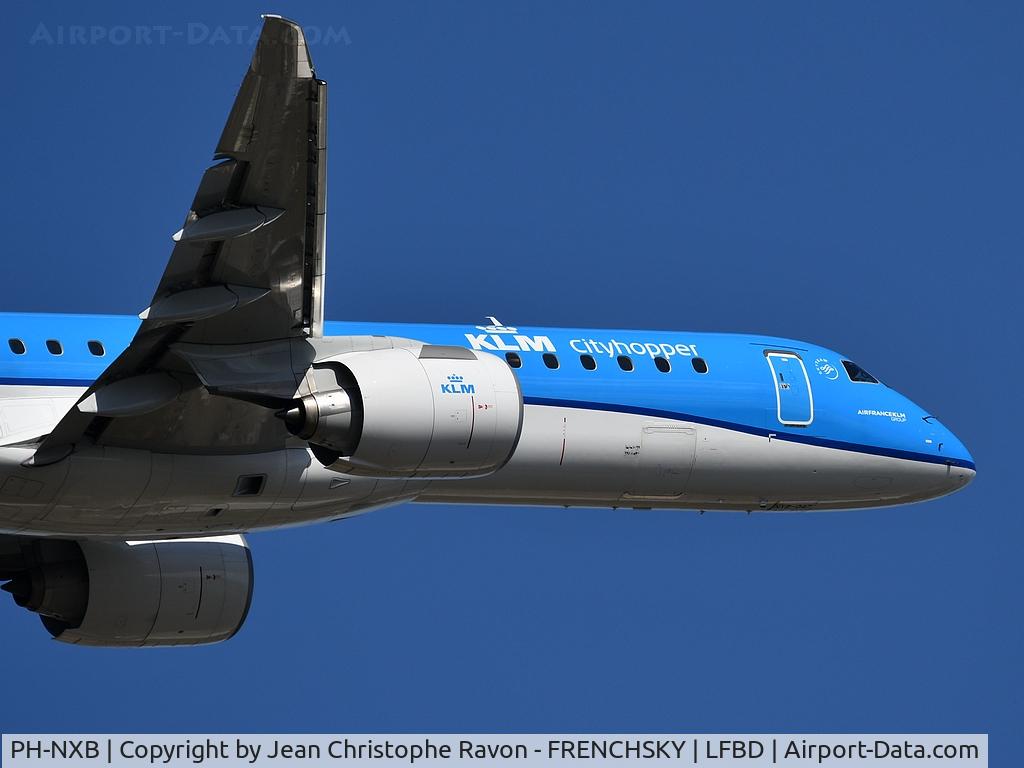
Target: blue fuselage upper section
{"x":787,"y":389}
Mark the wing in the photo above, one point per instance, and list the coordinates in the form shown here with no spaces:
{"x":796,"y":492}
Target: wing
{"x":247,"y":270}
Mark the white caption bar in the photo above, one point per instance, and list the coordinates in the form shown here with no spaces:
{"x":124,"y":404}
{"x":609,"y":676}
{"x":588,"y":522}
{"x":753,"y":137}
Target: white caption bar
{"x":549,"y":750}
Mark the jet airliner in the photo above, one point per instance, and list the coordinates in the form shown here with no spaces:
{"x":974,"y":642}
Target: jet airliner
{"x":136,"y":451}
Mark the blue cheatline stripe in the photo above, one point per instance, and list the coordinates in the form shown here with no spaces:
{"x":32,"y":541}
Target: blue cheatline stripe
{"x":30,"y":382}
{"x":823,"y":442}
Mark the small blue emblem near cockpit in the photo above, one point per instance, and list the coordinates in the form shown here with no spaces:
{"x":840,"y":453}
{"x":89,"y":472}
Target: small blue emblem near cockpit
{"x":826,"y":369}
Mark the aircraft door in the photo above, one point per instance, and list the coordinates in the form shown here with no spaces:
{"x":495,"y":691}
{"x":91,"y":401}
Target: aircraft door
{"x":793,"y":398}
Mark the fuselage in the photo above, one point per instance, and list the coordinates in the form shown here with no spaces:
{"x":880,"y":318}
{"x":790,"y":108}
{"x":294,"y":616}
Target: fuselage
{"x":614,"y":418}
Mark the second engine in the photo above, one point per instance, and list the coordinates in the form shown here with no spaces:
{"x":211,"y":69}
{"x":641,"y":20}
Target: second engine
{"x":116,"y":593}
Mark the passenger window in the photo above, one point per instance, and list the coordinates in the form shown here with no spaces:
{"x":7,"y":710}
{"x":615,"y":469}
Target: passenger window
{"x":858,"y":374}
{"x":513,"y":359}
{"x":625,"y":362}
{"x":588,"y":362}
{"x":551,"y":361}
{"x":54,"y":347}
{"x":17,"y":346}
{"x":96,"y":347}
{"x":699,"y":365}
{"x":662,"y":364}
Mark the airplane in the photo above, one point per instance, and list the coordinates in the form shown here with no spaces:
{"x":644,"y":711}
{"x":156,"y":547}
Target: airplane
{"x":136,"y":451}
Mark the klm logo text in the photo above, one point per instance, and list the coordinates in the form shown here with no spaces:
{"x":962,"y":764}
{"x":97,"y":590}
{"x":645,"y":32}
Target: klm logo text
{"x":456,"y":386}
{"x":492,"y":342}
{"x":458,"y":389}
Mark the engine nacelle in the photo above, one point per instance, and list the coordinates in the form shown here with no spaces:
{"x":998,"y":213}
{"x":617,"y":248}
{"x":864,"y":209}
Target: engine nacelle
{"x":430,"y":412}
{"x":103,"y":593}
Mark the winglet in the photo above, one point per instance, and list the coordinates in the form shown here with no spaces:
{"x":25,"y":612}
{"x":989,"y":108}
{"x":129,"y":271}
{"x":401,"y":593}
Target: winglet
{"x":282,"y":50}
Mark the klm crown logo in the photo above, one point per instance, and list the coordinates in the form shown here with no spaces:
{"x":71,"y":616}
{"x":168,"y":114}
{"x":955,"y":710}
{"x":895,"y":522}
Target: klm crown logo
{"x":456,"y":386}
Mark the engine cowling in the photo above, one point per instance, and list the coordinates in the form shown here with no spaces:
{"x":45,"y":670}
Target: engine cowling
{"x":154,"y":593}
{"x":430,"y":412}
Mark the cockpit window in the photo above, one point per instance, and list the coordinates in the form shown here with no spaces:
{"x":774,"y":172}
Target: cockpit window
{"x":858,"y":374}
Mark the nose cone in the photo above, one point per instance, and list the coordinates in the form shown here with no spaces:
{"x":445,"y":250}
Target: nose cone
{"x":948,"y":446}
{"x":963,"y":461}
{"x":924,"y":459}
{"x":939,"y":461}
{"x":969,"y":475}
{"x":940,"y":441}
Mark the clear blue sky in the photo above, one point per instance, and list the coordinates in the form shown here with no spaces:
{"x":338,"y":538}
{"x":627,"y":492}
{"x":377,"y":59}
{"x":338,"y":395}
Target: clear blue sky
{"x":846,"y":173}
